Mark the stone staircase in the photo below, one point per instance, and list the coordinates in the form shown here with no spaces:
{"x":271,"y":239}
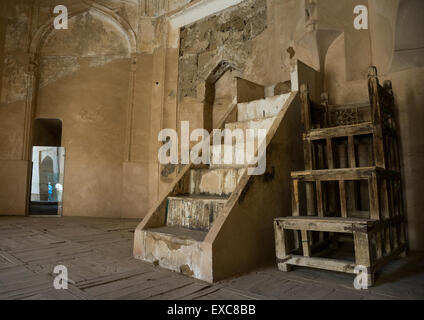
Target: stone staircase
{"x":211,"y":187}
{"x":185,"y":230}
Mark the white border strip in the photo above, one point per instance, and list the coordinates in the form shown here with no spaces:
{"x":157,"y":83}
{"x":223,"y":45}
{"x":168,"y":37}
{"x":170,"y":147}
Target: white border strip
{"x":200,"y":10}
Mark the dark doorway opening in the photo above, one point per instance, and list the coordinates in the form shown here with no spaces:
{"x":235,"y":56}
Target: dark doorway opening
{"x":47,"y":168}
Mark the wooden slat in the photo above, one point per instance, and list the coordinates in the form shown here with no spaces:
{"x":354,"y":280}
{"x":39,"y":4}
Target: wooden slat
{"x":320,"y":205}
{"x":385,"y":206}
{"x":336,"y":174}
{"x":326,"y":224}
{"x":330,"y":160}
{"x":340,"y":131}
{"x":351,"y":151}
{"x":343,"y":203}
{"x":322,"y":263}
{"x":310,"y":199}
{"x":295,"y":198}
{"x":308,"y":155}
{"x":306,"y":245}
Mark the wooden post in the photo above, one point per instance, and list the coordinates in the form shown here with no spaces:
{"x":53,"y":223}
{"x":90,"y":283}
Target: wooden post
{"x":388,"y":241}
{"x":320,"y":204}
{"x":296,"y":208}
{"x":306,"y":108}
{"x":308,"y":154}
{"x":330,"y":161}
{"x":373,"y":197}
{"x":351,"y":152}
{"x":320,"y":156}
{"x":295,"y":199}
{"x":307,"y":125}
{"x":373,"y":87}
{"x":310,"y":199}
{"x":281,"y":246}
{"x":379,"y":244}
{"x":306,"y":245}
{"x":363,"y":254}
{"x":324,"y":102}
{"x":386,"y":206}
{"x":373,"y":95}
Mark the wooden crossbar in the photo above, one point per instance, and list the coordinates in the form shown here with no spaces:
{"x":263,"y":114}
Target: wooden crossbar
{"x":338,"y":225}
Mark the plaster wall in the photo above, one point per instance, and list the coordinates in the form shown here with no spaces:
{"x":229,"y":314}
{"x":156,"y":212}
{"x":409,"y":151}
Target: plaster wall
{"x":388,"y":22}
{"x":84,"y":82}
{"x":110,"y":131}
{"x":13,"y":168}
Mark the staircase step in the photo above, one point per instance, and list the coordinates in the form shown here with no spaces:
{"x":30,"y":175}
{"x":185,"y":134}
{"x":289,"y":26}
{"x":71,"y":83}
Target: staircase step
{"x":263,"y":108}
{"x":174,"y":248}
{"x":179,"y":235}
{"x":230,"y":156}
{"x":194,"y":212}
{"x":264,"y":123}
{"x":216,"y":182}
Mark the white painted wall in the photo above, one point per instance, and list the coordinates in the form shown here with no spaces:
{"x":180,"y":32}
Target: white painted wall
{"x":195,"y":13}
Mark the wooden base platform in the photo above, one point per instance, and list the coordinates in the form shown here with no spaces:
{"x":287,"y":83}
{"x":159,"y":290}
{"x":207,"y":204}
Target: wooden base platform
{"x":369,"y":256}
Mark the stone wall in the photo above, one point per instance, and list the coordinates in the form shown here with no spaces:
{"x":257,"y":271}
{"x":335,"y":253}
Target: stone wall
{"x":225,"y":36}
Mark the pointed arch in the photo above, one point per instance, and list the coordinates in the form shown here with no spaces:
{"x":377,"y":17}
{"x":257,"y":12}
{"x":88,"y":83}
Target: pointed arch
{"x":213,"y":75}
{"x":122,"y":25}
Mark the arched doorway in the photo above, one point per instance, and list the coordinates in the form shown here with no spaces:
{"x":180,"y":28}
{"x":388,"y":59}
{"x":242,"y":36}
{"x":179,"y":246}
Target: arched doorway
{"x":48,"y":159}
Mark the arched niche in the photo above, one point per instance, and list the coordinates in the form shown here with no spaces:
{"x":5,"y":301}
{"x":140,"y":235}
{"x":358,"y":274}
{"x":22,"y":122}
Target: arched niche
{"x":90,"y":33}
{"x":92,"y":37}
{"x":221,"y":73}
{"x":101,"y":12}
{"x":336,"y":82}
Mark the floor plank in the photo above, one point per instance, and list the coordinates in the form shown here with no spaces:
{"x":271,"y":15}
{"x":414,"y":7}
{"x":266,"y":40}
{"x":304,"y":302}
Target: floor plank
{"x":98,"y":255}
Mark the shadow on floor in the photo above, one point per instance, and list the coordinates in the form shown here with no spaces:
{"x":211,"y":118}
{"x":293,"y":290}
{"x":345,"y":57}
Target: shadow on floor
{"x":43,"y":208}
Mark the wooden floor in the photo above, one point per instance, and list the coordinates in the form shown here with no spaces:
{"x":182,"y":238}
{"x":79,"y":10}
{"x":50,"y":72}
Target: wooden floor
{"x":98,"y":255}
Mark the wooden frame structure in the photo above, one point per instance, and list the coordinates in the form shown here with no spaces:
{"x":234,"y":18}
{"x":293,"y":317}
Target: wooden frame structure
{"x":351,"y":185}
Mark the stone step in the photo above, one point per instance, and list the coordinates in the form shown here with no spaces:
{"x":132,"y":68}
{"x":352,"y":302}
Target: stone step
{"x":194,"y":212}
{"x":263,"y":108}
{"x":178,"y":235}
{"x":264,"y":123}
{"x":174,"y":248}
{"x":230,"y":156}
{"x":215,"y":182}
{"x":227,"y":166}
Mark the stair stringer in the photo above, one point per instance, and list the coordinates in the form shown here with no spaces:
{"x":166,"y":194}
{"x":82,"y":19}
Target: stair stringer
{"x":242,"y":237}
{"x":190,"y":257}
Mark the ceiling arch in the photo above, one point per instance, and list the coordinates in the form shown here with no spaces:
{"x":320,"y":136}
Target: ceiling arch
{"x":121,"y":24}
